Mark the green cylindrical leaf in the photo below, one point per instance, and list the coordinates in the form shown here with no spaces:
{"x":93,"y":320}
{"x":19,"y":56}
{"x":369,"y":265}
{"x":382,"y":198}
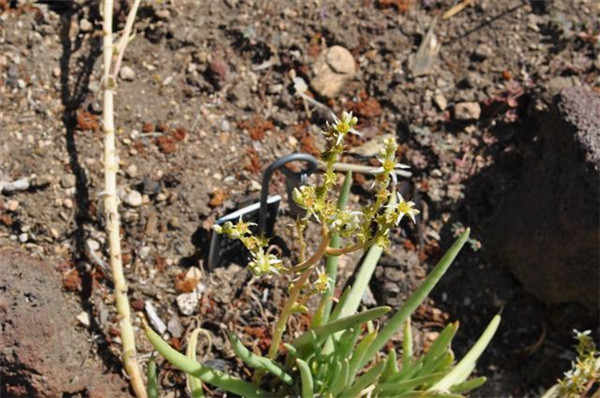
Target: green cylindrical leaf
{"x":342,"y":380}
{"x":341,"y":303}
{"x":346,"y":344}
{"x":365,"y":380}
{"x":291,"y":350}
{"x":258,"y":362}
{"x":407,"y":344}
{"x":341,"y":324}
{"x":152,"y":386}
{"x":193,"y":383}
{"x":463,"y":369}
{"x":400,"y":387}
{"x":468,"y":385}
{"x":306,"y":378}
{"x":442,"y":343}
{"x":416,"y":298}
{"x":204,"y":373}
{"x":391,"y":367}
{"x":359,"y":352}
{"x":445,"y":363}
{"x":423,"y":394}
{"x":360,"y":283}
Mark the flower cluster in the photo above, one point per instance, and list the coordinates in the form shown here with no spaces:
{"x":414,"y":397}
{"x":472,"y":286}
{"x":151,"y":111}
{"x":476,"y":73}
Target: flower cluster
{"x":262,"y":261}
{"x":371,"y":225}
{"x":585,"y":370}
{"x":340,"y":127}
{"x":388,"y":167}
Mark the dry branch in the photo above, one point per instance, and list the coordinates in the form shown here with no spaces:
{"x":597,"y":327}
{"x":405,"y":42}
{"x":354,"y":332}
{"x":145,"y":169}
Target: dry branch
{"x":111,"y":166}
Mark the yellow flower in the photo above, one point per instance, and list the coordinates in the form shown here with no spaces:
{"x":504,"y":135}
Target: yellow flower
{"x":322,"y":282}
{"x":344,"y":125}
{"x":405,"y":208}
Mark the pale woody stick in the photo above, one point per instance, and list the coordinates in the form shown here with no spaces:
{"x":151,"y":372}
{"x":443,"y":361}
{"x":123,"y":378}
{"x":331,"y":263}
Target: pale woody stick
{"x":111,"y":165}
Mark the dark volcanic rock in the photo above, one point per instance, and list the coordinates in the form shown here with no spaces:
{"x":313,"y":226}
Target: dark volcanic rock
{"x":43,"y":353}
{"x":548,"y":234}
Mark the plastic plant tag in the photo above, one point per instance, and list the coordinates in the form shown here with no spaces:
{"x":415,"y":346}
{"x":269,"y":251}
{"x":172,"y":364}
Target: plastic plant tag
{"x":222,"y":249}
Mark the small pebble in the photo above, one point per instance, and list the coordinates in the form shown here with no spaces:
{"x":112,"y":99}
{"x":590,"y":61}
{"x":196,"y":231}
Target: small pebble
{"x":431,"y":336}
{"x":12,"y":205}
{"x":144,"y":252}
{"x":483,"y":51}
{"x":68,"y":203}
{"x":163,"y":13}
{"x":187,"y":302}
{"x":254,"y":186}
{"x":174,"y":327}
{"x":292,"y":141}
{"x":83,"y":318}
{"x":332,"y":70}
{"x":225,"y":125}
{"x":196,"y":274}
{"x":67,"y":181}
{"x":133,"y":199}
{"x":127,"y":73}
{"x":174,"y":223}
{"x":85,"y":25}
{"x":23,"y":237}
{"x":440,"y":101}
{"x":93,"y":245}
{"x":131,"y":171}
{"x":94,"y":86}
{"x":150,"y":186}
{"x":467,"y":111}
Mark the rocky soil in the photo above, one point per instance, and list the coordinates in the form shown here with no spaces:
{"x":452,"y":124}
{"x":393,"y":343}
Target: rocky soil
{"x":207,"y":99}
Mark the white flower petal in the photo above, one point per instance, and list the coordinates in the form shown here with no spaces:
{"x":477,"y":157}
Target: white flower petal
{"x":400,"y":216}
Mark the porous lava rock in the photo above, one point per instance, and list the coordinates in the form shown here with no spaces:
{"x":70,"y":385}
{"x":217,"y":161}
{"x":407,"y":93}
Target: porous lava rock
{"x":548,"y":234}
{"x":43,"y":353}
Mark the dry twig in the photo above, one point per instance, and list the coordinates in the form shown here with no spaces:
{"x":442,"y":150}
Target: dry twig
{"x":111,"y":166}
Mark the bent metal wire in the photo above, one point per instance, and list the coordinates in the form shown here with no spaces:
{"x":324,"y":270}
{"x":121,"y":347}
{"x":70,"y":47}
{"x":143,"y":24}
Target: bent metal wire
{"x":263,"y":213}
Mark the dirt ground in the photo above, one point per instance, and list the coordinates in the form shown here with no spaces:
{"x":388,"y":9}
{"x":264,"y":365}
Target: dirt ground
{"x":206,"y":101}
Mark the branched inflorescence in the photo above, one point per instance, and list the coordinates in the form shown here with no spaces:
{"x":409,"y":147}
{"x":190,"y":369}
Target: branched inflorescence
{"x":371,"y":225}
{"x":330,"y":358}
{"x":585,"y":370}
